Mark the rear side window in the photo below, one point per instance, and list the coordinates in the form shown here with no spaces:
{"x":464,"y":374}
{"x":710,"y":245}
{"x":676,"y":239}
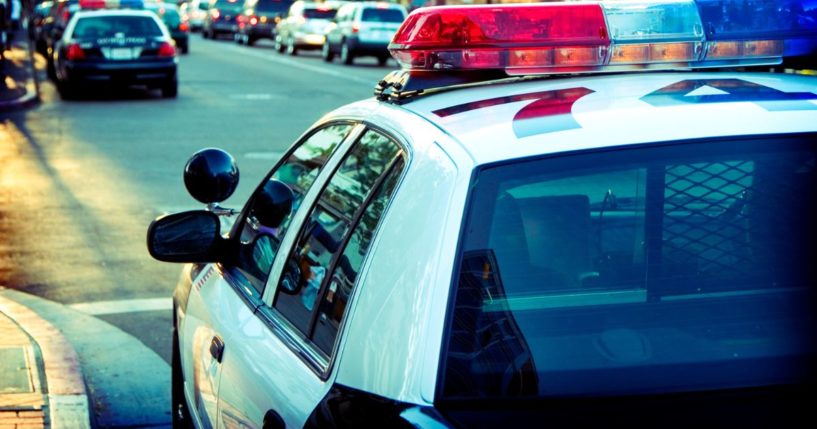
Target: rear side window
{"x":382,"y":15}
{"x":683,"y":268}
{"x":103,"y":27}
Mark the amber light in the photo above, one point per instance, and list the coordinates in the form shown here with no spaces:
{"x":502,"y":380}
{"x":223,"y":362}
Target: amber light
{"x":655,"y":53}
{"x":745,"y":48}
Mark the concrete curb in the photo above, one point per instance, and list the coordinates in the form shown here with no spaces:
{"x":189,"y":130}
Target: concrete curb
{"x":67,"y":405}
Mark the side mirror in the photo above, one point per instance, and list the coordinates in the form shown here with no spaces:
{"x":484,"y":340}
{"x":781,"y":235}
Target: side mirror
{"x":193,"y":236}
{"x":211,"y":175}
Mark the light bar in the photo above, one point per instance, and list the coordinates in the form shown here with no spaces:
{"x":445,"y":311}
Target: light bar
{"x":111,"y":4}
{"x":644,"y":32}
{"x":738,"y":29}
{"x":509,"y":36}
{"x":611,"y":35}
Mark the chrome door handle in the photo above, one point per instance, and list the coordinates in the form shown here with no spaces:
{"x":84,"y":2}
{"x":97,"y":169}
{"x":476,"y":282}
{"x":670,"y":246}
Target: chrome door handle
{"x":217,"y":348}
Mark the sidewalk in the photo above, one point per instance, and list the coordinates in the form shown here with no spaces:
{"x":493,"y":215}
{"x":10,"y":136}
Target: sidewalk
{"x":18,"y":87}
{"x":41,"y":384}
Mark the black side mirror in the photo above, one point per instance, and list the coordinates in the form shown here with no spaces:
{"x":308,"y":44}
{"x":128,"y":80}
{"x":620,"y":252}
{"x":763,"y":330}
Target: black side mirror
{"x":211,"y":175}
{"x":193,"y":236}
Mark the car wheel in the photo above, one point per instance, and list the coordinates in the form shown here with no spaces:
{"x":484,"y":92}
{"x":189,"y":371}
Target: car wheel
{"x":381,"y":60}
{"x":181,"y":415}
{"x":67,"y":90}
{"x":291,"y":48}
{"x":185,"y":49}
{"x":51,"y":70}
{"x":327,"y":53}
{"x":170,"y":89}
{"x":238,"y":38}
{"x":279,"y":46}
{"x":249,"y":40}
{"x":346,"y":55}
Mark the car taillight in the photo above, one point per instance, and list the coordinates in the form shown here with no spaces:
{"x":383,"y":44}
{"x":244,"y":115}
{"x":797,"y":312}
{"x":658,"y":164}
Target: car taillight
{"x":184,"y":27}
{"x":166,"y":50}
{"x":355,"y":27}
{"x":66,"y":15}
{"x":74,"y":52}
{"x":215,"y":14}
{"x":253,"y":20}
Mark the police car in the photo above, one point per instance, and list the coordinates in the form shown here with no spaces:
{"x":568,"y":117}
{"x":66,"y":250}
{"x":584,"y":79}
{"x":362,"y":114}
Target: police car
{"x":112,"y":42}
{"x":536,"y":222}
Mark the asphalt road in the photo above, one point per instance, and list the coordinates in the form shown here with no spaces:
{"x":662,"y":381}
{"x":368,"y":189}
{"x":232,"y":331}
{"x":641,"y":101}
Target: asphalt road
{"x":81,"y":181}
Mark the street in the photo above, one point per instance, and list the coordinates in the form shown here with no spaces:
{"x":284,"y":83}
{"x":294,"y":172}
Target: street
{"x":81,"y":181}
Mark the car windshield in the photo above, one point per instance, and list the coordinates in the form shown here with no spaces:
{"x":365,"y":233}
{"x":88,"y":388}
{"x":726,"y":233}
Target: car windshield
{"x":170,"y":16}
{"x":116,"y":26}
{"x":382,"y":15}
{"x":681,"y":268}
{"x":319,"y":13}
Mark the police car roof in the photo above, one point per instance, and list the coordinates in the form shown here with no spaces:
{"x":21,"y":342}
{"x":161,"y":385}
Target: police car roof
{"x":114,"y":12}
{"x":501,"y":121}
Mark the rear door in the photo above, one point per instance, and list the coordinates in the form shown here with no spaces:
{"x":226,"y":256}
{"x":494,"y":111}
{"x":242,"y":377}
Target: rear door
{"x":225,"y":296}
{"x":279,"y":364}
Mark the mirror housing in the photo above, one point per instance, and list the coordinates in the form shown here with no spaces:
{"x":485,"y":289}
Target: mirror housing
{"x":192,"y":236}
{"x":273,"y":203}
{"x":211,"y":175}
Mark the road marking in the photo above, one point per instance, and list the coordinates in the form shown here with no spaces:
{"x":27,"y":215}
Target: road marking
{"x":124,"y":306}
{"x":274,"y":156}
{"x":282,"y":60}
{"x":256,"y":97}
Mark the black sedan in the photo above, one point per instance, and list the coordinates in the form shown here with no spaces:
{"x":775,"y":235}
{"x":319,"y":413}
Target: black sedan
{"x":115,"y":47}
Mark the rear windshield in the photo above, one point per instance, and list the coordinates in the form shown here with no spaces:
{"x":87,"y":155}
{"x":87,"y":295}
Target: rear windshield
{"x":273,"y":5}
{"x":228,"y":6}
{"x":382,"y":15}
{"x":684,"y":268}
{"x":116,"y":26}
{"x":320,"y":13}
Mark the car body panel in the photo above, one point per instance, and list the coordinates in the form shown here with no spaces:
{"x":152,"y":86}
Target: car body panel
{"x":607,"y":111}
{"x":363,"y":34}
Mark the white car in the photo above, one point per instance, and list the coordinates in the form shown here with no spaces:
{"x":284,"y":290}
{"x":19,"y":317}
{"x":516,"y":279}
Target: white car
{"x":362,"y":29}
{"x":631,"y":248}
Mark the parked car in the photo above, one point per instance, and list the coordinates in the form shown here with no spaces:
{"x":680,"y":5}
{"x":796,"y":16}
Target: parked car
{"x":195,"y":11}
{"x":363,"y":29}
{"x":527,"y":226}
{"x":221,"y":19}
{"x":103,"y":48}
{"x":176,"y":25}
{"x":304,"y":26}
{"x":36,"y":22}
{"x":259,"y":18}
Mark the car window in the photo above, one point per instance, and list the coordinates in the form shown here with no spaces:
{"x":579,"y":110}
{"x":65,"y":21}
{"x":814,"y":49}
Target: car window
{"x":681,"y":268}
{"x":116,"y":26}
{"x":319,"y":13}
{"x":322,"y":241}
{"x":272,"y":5}
{"x":260,"y":238}
{"x":382,"y":15}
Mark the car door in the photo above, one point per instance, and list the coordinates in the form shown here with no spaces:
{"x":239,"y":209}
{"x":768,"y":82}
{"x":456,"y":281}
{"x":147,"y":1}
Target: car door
{"x":225,"y":296}
{"x":279,"y":365}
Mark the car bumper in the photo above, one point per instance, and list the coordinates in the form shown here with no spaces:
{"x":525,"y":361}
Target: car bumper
{"x":135,"y":73}
{"x":368,"y":48}
{"x":309,"y":40}
{"x":261,"y":31}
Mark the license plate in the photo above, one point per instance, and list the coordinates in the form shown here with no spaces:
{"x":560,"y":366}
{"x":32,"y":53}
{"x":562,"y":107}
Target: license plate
{"x":121,"y":54}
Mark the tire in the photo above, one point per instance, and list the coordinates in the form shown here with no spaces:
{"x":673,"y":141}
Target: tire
{"x":180,"y":414}
{"x":249,"y":40}
{"x":279,"y":46}
{"x":381,"y":60}
{"x":185,"y":49}
{"x":238,"y":38}
{"x":170,"y":89}
{"x":67,"y":90}
{"x":50,"y":69}
{"x":291,"y":48}
{"x":346,"y":55}
{"x":326,"y":52}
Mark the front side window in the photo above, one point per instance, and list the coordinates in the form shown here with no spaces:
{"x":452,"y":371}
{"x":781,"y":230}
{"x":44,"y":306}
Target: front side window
{"x":265,"y":224}
{"x":335,"y":237}
{"x":683,"y":268}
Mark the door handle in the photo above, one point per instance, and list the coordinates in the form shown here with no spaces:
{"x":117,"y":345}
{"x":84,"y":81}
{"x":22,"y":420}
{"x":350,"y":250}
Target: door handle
{"x":217,"y":348}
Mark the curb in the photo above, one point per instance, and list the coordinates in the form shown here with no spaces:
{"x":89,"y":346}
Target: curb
{"x":67,"y":401}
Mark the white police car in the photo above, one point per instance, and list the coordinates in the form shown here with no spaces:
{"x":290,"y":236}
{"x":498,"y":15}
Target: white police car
{"x":622,"y":249}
